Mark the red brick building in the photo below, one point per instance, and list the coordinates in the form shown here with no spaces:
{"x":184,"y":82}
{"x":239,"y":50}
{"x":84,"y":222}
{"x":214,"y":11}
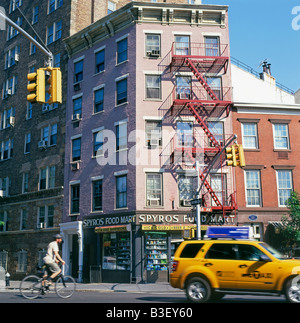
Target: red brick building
{"x":266,"y":120}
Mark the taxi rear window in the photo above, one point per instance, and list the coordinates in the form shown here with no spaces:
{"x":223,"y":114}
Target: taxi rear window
{"x":191,"y":250}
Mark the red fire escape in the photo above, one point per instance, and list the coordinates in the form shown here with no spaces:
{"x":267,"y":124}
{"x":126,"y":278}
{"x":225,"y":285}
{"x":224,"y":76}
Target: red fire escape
{"x":202,"y":96}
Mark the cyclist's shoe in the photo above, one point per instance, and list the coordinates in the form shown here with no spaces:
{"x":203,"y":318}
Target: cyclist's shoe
{"x":49,"y":282}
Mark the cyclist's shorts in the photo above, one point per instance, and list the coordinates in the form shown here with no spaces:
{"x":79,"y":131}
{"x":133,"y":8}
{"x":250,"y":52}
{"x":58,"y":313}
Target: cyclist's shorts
{"x":52,"y":268}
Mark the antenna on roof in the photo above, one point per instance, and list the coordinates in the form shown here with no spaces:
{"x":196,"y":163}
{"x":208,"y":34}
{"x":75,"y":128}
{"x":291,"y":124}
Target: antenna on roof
{"x":266,"y":66}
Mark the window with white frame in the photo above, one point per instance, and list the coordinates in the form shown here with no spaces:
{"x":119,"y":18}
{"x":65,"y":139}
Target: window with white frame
{"x":23,"y":219}
{"x":7,"y":118}
{"x":25,"y":182}
{"x":153,"y":86}
{"x":75,"y":198}
{"x":121,"y":91}
{"x":218,"y":184}
{"x":54,"y":32}
{"x":212,"y":45}
{"x":121,"y":191}
{"x":98,"y":100}
{"x":49,"y":134}
{"x":99,"y":61}
{"x":183,"y":87}
{"x":45,"y":216}
{"x":154,"y":191}
{"x":284,"y":186}
{"x":35,"y":14}
{"x":153,"y":45}
{"x":47,"y":177}
{"x":253,"y":188}
{"x":22,"y":261}
{"x":11,"y":57}
{"x":122,"y":48}
{"x":153,"y":133}
{"x":11,"y":31}
{"x":29,"y":111}
{"x":54,"y":4}
{"x":76,"y":149}
{"x":217,"y":129}
{"x":6,"y":149}
{"x":27,"y":143}
{"x":97,"y":195}
{"x":77,"y":106}
{"x":5,"y":183}
{"x":182,"y":45}
{"x":121,"y":135}
{"x":9,"y":87}
{"x":281,"y":136}
{"x":185,"y":134}
{"x":249,"y":135}
{"x":78,"y":71}
{"x":14,"y":4}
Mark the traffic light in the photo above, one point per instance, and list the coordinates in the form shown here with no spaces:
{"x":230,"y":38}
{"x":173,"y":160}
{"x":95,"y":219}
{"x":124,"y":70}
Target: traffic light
{"x":54,"y":81}
{"x":36,"y":87}
{"x":235,"y":156}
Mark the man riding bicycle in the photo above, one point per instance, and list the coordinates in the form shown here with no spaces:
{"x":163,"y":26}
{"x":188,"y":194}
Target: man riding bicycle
{"x":52,"y":259}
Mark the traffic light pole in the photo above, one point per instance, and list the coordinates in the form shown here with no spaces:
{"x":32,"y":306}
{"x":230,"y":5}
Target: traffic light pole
{"x":200,"y":185}
{"x":31,"y":39}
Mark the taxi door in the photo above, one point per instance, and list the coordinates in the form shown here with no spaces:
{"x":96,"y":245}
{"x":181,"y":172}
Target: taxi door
{"x":221,"y":260}
{"x":253,"y":272}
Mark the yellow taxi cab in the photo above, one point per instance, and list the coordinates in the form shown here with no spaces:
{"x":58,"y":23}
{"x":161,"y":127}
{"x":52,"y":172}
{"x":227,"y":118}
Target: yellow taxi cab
{"x":209,"y":269}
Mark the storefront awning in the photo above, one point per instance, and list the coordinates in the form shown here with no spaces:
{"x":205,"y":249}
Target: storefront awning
{"x":278,"y":225}
{"x":167,"y":227}
{"x":113,"y":228}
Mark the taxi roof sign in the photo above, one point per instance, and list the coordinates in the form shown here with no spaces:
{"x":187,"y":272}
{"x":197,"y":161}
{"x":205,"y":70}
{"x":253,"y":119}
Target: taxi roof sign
{"x":226,"y":232}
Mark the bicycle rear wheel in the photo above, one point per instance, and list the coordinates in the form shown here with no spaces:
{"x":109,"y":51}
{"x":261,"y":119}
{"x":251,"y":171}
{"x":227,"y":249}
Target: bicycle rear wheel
{"x":31,"y":286}
{"x":65,"y":286}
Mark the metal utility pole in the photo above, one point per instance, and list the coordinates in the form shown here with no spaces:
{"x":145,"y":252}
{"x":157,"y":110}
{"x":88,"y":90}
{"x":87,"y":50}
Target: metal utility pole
{"x":31,"y":39}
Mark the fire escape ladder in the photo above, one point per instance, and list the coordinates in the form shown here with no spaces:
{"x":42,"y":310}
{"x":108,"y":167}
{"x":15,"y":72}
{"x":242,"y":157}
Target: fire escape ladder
{"x":203,"y":126}
{"x":200,"y":78}
{"x":210,"y":190}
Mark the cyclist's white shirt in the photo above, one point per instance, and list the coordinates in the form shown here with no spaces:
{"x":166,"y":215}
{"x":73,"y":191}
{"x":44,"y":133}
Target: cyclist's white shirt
{"x":50,"y":256}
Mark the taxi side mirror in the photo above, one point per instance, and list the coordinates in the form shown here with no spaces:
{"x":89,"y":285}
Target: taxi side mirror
{"x":264,"y":258}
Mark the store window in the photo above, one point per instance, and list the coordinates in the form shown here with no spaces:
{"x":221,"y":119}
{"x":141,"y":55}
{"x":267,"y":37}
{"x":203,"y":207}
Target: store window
{"x":156,"y":251}
{"x":116,"y":251}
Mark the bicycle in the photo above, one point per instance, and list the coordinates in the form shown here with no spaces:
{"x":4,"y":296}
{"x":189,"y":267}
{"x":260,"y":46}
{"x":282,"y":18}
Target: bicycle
{"x":33,"y":286}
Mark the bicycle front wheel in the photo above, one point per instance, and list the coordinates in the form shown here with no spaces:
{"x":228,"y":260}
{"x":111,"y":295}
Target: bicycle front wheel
{"x":31,"y":286}
{"x":65,"y":286}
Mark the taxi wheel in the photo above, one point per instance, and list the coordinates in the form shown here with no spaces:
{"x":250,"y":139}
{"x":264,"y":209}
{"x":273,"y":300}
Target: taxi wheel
{"x":292,"y":290}
{"x":198,"y":290}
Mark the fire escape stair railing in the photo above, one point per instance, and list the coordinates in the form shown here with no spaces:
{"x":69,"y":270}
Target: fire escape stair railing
{"x":200,"y":78}
{"x":210,"y":191}
{"x":203,"y":125}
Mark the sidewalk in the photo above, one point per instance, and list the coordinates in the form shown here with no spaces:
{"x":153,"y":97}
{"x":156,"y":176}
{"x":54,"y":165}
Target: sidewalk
{"x":111,"y":287}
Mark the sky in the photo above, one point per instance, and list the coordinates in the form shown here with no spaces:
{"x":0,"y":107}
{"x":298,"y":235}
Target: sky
{"x":266,"y":29}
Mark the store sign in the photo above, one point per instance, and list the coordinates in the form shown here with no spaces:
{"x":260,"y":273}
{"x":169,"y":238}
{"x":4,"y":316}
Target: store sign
{"x":108,"y":220}
{"x":113,"y":228}
{"x":161,"y":227}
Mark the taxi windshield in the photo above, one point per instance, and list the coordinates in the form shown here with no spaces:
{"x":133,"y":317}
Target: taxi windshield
{"x":273,"y":251}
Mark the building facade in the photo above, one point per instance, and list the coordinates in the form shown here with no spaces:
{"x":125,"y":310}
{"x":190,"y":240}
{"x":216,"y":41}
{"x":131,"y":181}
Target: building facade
{"x":149,"y":93}
{"x":32,"y":136}
{"x":266,"y":119}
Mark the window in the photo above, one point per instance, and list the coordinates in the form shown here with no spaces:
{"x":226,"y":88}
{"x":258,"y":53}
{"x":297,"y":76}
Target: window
{"x":22,"y":261}
{"x":215,"y":84}
{"x":78,"y":74}
{"x":221,"y":251}
{"x":191,"y":250}
{"x":153,"y":134}
{"x":122,"y":91}
{"x":153,"y":87}
{"x":249,"y":253}
{"x":27,"y":143}
{"x":45,"y":217}
{"x":249,"y":133}
{"x":122,"y":51}
{"x":25,"y":182}
{"x":217,"y":129}
{"x":11,"y":57}
{"x":185,"y":188}
{"x":253,"y":189}
{"x":54,"y":4}
{"x":121,"y":137}
{"x":281,"y":136}
{"x":97,"y":195}
{"x":3,"y":258}
{"x":99,"y":61}
{"x":98,"y":143}
{"x":212,"y":46}
{"x":183,"y":87}
{"x":29,"y":111}
{"x":9,"y":87}
{"x":121,"y":191}
{"x":98,"y":100}
{"x":111,"y":7}
{"x":5,"y":184}
{"x":152,"y":45}
{"x":185,"y":137}
{"x":6,"y":149}
{"x":47,"y":178}
{"x":14,"y":4}
{"x":218,"y":184}
{"x":77,"y":106}
{"x":33,"y":46}
{"x":58,"y":28}
{"x":50,"y":34}
{"x":182,"y":45}
{"x":11,"y":31}
{"x":23,"y":219}
{"x":75,"y":194}
{"x":49,"y":135}
{"x":284,"y":185}
{"x":76,"y":149}
{"x":35,"y":14}
{"x":154,"y":190}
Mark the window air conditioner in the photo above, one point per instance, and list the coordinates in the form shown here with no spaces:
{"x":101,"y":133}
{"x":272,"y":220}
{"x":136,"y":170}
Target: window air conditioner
{"x":154,"y":142}
{"x":12,"y":121}
{"x":42,"y":144}
{"x":77,"y":86}
{"x":75,"y":166}
{"x":186,"y":203}
{"x":153,"y":202}
{"x":76,"y":117}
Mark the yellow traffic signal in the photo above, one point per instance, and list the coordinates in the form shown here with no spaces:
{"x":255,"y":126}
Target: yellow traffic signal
{"x":55,"y":85}
{"x":235,"y":156}
{"x":36,"y":87}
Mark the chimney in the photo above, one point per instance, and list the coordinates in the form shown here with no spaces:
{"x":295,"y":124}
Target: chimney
{"x":269,"y":69}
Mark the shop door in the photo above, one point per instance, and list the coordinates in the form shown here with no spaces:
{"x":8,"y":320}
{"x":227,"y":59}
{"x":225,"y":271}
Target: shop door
{"x":74,"y":256}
